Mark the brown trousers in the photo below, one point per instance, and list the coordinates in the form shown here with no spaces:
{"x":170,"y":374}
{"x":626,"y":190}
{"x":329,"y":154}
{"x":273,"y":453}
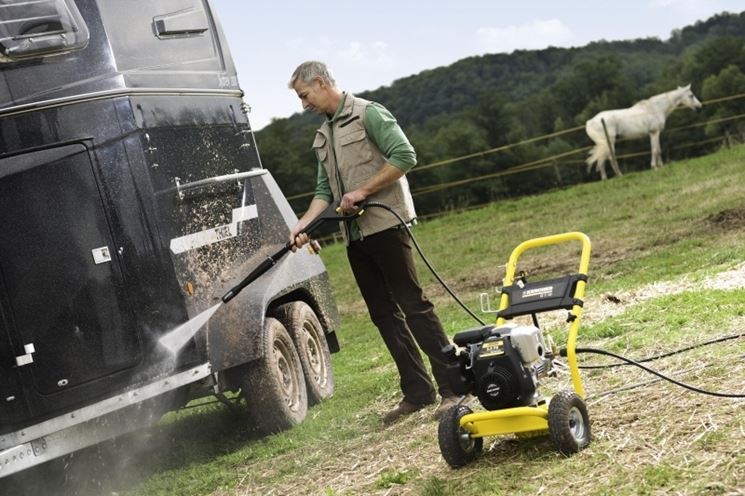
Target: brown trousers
{"x":384,"y":269}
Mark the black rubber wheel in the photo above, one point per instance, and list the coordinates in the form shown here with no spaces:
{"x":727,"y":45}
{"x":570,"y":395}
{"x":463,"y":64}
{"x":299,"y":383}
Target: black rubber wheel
{"x":274,"y":386}
{"x":568,"y":423}
{"x":458,"y":448}
{"x":310,"y":341}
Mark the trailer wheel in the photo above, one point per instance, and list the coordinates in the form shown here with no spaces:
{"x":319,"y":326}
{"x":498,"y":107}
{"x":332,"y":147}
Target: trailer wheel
{"x":274,"y":386}
{"x":568,"y":423}
{"x":457,"y":446}
{"x":310,"y":340}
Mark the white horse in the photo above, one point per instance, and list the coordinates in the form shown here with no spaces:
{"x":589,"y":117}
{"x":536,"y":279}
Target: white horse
{"x":646,"y":117}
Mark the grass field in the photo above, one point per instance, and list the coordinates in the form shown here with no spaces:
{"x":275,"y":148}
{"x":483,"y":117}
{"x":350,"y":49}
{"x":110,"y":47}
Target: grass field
{"x":667,"y":271}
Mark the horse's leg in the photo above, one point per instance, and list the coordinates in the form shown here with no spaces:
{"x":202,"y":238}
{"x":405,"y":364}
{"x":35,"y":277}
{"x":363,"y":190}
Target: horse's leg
{"x":654,"y":140}
{"x":601,"y":168}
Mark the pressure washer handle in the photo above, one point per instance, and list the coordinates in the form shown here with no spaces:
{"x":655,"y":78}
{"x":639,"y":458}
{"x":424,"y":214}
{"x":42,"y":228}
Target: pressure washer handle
{"x":331,"y":213}
{"x":318,"y":221}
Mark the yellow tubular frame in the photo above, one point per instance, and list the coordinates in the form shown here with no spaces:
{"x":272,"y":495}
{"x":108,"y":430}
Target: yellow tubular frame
{"x":533,"y":418}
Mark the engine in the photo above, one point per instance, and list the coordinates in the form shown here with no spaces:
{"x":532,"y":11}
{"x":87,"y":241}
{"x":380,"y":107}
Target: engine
{"x":499,"y":365}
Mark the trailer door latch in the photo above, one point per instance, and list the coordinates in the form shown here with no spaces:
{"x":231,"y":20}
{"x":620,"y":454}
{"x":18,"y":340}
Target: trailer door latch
{"x":39,"y":446}
{"x":28,"y":358}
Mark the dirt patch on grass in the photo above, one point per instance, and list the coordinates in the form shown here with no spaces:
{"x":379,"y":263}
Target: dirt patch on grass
{"x":733,"y":218}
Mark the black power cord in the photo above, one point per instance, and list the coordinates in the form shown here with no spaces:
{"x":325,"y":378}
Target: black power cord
{"x":654,"y":372}
{"x":665,"y":355}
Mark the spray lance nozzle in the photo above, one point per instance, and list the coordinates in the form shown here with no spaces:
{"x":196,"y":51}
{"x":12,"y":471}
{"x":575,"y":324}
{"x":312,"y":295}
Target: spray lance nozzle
{"x":331,"y":213}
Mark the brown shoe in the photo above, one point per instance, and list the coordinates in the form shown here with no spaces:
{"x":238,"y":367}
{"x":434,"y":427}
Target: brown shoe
{"x":402,"y":409}
{"x":446,"y":404}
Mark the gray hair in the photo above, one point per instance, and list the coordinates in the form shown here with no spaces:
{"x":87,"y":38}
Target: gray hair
{"x":308,"y":71}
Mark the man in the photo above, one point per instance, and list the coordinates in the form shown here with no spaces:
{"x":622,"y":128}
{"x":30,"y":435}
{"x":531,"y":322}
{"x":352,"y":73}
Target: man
{"x":363,"y":155}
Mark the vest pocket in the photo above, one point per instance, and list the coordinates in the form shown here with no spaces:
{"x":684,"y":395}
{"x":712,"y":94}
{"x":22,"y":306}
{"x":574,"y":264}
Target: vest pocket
{"x":319,"y":146}
{"x":355,"y":148}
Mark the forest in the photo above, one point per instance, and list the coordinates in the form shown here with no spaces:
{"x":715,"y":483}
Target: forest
{"x":503,"y":125}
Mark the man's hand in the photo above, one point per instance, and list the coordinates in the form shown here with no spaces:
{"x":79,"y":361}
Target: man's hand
{"x":350,"y":201}
{"x":298,"y":239}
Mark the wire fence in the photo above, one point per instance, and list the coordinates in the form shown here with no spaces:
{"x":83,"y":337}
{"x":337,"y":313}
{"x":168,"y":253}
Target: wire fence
{"x":554,"y":160}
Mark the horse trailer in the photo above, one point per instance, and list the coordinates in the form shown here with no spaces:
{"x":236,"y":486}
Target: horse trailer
{"x":132,"y":197}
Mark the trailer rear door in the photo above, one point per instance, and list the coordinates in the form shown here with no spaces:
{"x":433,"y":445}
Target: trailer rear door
{"x":68,"y":311}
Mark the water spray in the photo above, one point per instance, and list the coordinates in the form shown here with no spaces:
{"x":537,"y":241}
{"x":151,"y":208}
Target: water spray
{"x":178,"y":337}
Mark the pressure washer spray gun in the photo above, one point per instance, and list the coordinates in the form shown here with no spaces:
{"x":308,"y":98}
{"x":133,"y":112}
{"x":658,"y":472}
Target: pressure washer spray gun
{"x":332,"y":213}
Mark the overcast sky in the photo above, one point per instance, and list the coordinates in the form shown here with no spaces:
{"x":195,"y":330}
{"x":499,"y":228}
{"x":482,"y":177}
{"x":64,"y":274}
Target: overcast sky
{"x":370,"y":44}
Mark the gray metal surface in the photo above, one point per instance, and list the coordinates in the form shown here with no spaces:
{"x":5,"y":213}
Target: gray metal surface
{"x":54,"y":426}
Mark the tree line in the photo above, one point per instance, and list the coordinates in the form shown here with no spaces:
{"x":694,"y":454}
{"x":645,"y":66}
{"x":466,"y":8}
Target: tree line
{"x":483,"y":102}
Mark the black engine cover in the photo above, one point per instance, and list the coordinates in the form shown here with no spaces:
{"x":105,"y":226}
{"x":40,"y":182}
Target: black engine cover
{"x":492,"y":370}
{"x":501,"y":379}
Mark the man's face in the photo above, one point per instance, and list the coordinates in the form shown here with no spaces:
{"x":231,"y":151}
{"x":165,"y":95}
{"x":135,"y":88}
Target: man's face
{"x":312,"y":96}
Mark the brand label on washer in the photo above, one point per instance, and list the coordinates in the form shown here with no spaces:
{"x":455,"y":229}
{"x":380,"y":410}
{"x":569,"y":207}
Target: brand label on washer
{"x":544,"y":292}
{"x":492,"y":348}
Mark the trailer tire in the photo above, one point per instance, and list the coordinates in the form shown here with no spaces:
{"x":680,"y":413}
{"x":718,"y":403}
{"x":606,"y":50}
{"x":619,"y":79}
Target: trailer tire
{"x":568,"y":423}
{"x":274,"y":386}
{"x":310,"y":341}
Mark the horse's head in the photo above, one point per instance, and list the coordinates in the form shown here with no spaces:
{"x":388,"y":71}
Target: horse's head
{"x":687,"y":98}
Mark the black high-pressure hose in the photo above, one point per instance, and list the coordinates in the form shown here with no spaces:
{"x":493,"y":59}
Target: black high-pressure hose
{"x":424,"y":258}
{"x":670,"y":353}
{"x":628,"y":361}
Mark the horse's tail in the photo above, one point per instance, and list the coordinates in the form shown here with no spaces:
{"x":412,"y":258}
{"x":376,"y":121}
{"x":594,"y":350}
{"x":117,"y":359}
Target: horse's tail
{"x":601,"y":151}
{"x":598,"y":154}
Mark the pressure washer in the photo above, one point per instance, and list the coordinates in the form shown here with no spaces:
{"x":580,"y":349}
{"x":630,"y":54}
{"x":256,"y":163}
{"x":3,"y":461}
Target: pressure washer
{"x":503,"y":364}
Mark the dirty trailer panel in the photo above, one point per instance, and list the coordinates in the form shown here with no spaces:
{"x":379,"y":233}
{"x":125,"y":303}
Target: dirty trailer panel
{"x":131,"y":198}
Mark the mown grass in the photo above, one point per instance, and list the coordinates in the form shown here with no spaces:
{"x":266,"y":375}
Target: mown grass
{"x":664,"y":319}
{"x":685,"y":222}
